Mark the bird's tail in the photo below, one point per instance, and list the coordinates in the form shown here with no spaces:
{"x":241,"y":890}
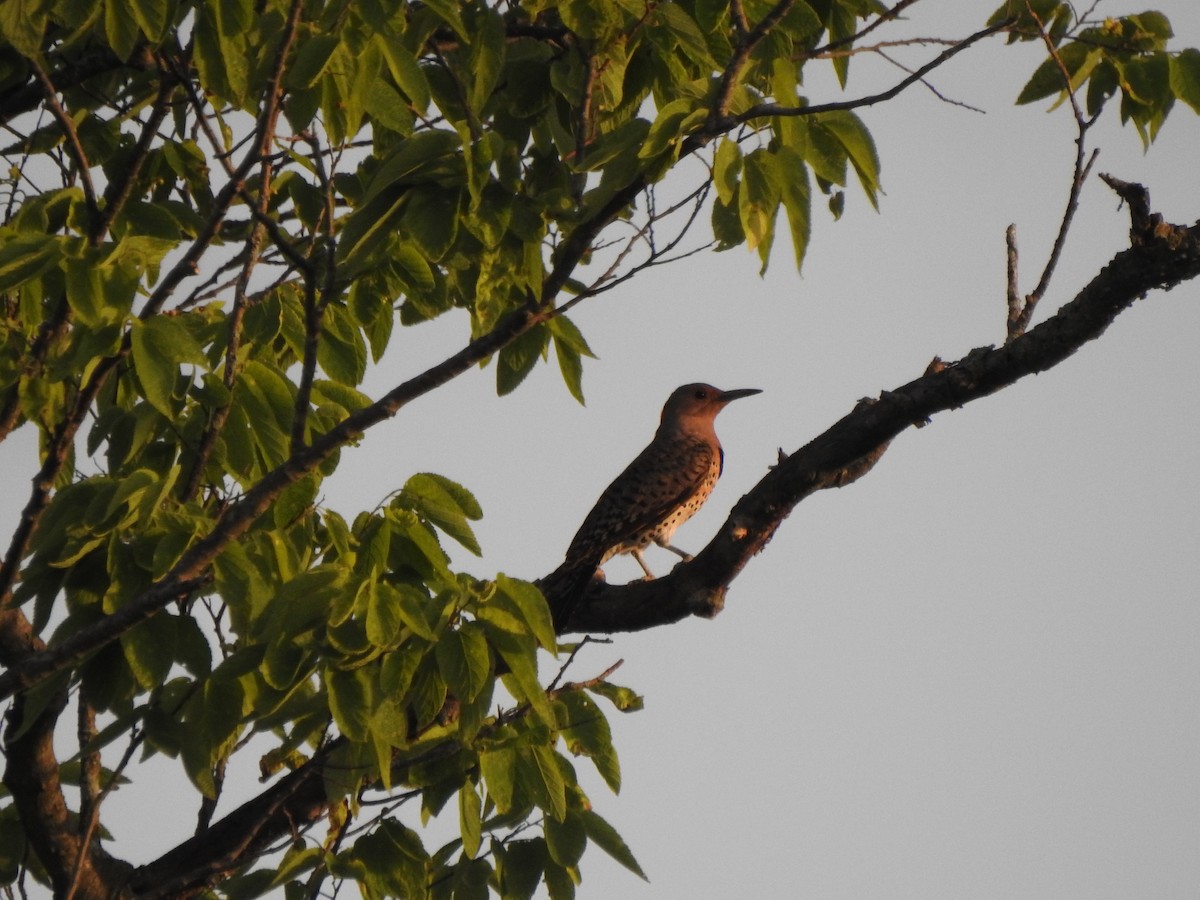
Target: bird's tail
{"x":563,"y":587}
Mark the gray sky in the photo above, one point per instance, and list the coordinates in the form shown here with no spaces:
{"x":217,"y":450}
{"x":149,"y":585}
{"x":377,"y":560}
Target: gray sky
{"x":976,"y":672}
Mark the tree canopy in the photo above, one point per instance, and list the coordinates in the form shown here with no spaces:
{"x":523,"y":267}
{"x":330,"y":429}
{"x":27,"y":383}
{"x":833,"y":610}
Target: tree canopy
{"x":216,"y":216}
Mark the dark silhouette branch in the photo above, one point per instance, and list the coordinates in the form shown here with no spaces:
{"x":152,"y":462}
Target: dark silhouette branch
{"x":1161,"y":256}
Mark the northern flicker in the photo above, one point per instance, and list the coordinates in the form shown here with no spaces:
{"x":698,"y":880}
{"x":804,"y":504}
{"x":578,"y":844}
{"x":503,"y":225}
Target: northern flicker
{"x":660,"y":490}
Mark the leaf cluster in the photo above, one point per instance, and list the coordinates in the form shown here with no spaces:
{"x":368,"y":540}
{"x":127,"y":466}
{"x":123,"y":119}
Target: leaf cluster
{"x":1125,"y":57}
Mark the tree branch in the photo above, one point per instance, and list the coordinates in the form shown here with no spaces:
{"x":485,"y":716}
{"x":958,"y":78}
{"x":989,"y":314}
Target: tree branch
{"x":774,"y":109}
{"x":1020,"y":315}
{"x":1162,"y":256}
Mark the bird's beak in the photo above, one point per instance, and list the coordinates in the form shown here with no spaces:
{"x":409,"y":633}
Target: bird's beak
{"x":727,"y":396}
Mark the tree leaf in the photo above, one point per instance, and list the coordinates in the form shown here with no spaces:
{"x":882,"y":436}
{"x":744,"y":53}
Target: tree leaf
{"x":1185,"y":77}
{"x":350,"y":701}
{"x":160,"y":345}
{"x":498,"y":767}
{"x":586,"y":731}
{"x":406,"y":72}
{"x":518,"y":358}
{"x":120,"y":27}
{"x":25,"y":256}
{"x":152,"y":17}
{"x":532,"y":607}
{"x":606,"y":838}
{"x":310,"y":59}
{"x":150,"y":650}
{"x":464,"y":661}
{"x":443,"y":503}
{"x":565,"y":839}
{"x":539,"y":766}
{"x":469,"y":819}
{"x":487,"y":57}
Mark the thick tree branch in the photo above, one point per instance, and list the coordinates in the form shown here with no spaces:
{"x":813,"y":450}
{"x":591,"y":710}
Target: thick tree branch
{"x":1162,"y":256}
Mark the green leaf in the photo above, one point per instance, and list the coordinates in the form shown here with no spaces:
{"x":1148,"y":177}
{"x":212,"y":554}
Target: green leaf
{"x":384,"y":622}
{"x":537,"y":766}
{"x":25,"y":256}
{"x":413,"y":157}
{"x":532,"y":606}
{"x":498,"y":768}
{"x":560,"y":882}
{"x":797,"y":200}
{"x":431,"y":220}
{"x":160,"y":345}
{"x":566,"y":840}
{"x":518,"y":358}
{"x":1185,"y":77}
{"x":469,"y":819}
{"x":449,"y":12}
{"x":152,"y":17}
{"x":623,"y":698}
{"x":310,"y":60}
{"x":727,"y":169}
{"x":487,"y":57}
{"x":667,"y":128}
{"x":396,"y":863}
{"x":860,"y":147}
{"x":606,"y":838}
{"x":22,"y":23}
{"x":443,"y":503}
{"x":342,"y":353}
{"x":212,"y":714}
{"x":150,"y":650}
{"x":406,"y":72}
{"x":687,"y":35}
{"x":520,"y":867}
{"x":120,"y":27}
{"x":520,"y":653}
{"x":625,"y":138}
{"x":758,"y":201}
{"x":727,"y":225}
{"x":387,"y":108}
{"x":350,"y":701}
{"x":399,"y":667}
{"x":586,"y":732}
{"x":413,"y":607}
{"x":464,"y":660}
{"x":570,"y":348}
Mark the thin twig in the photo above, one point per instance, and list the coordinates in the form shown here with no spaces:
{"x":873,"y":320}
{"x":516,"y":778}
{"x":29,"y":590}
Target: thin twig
{"x":587,"y":639}
{"x":72,"y":138}
{"x":1018,"y":324}
{"x":93,"y":820}
{"x":887,"y":16}
{"x":118,"y":192}
{"x":1014,"y":291}
{"x":762,"y":110}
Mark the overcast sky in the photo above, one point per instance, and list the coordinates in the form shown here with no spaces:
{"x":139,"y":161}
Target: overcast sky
{"x":976,"y":672}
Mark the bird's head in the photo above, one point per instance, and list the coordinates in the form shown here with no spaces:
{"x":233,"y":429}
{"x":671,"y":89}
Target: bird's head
{"x":697,"y":405}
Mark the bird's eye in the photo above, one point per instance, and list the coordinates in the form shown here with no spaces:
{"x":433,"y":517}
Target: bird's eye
{"x":701,"y":394}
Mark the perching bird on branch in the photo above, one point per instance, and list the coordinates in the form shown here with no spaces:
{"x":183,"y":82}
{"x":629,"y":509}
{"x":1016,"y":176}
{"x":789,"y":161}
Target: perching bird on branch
{"x":660,"y":490}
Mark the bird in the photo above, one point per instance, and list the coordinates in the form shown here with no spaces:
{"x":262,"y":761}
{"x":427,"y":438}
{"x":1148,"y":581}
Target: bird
{"x":661,"y":489}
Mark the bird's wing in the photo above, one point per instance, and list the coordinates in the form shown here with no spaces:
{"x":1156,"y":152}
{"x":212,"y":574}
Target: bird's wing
{"x":660,"y":479}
